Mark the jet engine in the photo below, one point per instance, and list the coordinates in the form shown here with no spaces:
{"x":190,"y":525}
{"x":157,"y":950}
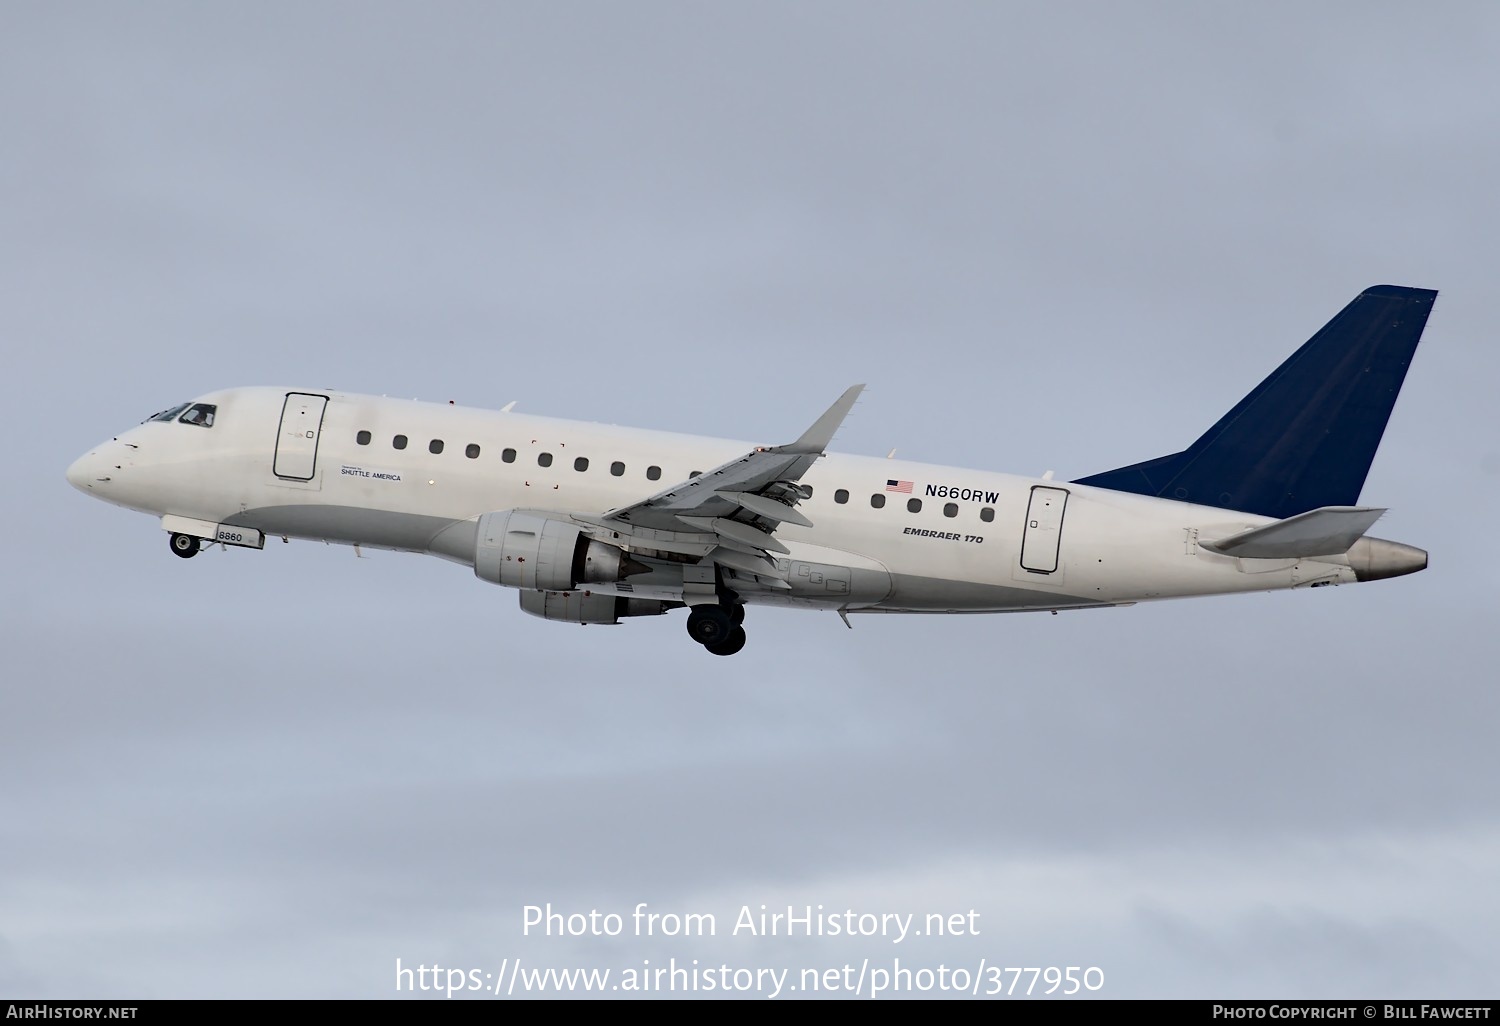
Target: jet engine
{"x":587,"y":607}
{"x":541,"y":552}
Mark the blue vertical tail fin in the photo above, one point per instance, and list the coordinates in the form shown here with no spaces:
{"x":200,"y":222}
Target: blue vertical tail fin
{"x":1306,"y":436}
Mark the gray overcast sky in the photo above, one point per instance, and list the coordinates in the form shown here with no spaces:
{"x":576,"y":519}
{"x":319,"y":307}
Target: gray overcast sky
{"x":1061,"y":236}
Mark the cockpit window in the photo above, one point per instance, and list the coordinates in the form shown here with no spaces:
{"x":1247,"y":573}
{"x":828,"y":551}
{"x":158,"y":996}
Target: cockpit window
{"x":167,"y":414}
{"x":200,"y":414}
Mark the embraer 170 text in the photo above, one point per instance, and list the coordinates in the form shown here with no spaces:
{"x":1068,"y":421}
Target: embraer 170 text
{"x":593,"y":523}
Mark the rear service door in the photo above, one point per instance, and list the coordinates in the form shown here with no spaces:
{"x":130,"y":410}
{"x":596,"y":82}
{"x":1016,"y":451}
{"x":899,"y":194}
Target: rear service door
{"x":297,"y":438}
{"x":1043,"y":534}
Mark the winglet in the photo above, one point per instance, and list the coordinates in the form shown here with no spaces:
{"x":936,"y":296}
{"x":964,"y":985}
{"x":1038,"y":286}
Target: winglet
{"x":816,"y":438}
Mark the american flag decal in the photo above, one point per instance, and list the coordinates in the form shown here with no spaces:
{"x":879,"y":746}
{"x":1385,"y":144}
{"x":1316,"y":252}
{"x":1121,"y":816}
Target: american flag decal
{"x":903,"y":487}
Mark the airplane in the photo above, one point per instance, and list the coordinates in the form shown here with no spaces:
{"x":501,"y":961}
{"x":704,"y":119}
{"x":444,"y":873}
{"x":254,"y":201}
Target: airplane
{"x":595,"y":523}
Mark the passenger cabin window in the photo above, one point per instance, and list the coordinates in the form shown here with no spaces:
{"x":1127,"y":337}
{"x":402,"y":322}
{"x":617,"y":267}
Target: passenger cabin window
{"x":950,"y":509}
{"x":841,"y":496}
{"x":617,"y":469}
{"x":399,"y":442}
{"x":363,"y":438}
{"x":914,"y":505}
{"x":694,"y":473}
{"x":877,"y":500}
{"x":435,"y":446}
{"x":653,"y":473}
{"x":581,"y":464}
{"x":807,"y":491}
{"x":200,"y":415}
{"x":508,"y":455}
{"x":987,"y":515}
{"x":544,"y":459}
{"x":472,"y":451}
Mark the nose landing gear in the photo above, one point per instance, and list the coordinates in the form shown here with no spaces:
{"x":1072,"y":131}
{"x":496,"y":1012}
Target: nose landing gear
{"x":184,"y":545}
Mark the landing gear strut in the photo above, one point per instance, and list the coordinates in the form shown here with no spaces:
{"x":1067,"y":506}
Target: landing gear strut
{"x":184,"y":545}
{"x":717,"y":627}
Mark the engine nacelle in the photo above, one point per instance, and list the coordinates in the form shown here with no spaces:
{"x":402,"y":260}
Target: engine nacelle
{"x":539,"y":552}
{"x":587,"y":607}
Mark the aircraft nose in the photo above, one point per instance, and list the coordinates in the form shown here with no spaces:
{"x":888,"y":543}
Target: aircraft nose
{"x":82,"y":473}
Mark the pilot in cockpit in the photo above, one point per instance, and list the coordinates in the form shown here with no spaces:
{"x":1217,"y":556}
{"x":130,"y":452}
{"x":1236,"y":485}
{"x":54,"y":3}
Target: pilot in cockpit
{"x":200,"y":414}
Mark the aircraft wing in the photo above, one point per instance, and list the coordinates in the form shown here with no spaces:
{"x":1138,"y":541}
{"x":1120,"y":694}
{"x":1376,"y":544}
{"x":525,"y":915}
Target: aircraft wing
{"x":730,"y":514}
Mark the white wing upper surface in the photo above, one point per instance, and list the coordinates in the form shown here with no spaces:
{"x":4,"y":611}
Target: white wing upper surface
{"x":730,"y":514}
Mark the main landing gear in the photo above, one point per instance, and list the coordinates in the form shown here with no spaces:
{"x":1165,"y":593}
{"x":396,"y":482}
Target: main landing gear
{"x":184,"y":545}
{"x":717,"y":627}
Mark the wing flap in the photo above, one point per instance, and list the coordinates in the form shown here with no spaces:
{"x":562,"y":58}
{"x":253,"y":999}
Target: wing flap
{"x":744,"y":562}
{"x":735,"y":531}
{"x":767,"y":508}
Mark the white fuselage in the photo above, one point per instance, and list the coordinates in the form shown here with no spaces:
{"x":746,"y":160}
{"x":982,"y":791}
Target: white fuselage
{"x":958,"y":541}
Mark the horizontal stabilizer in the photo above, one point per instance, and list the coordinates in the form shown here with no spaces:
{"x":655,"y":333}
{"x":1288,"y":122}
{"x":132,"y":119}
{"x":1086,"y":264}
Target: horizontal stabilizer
{"x":1329,"y":531}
